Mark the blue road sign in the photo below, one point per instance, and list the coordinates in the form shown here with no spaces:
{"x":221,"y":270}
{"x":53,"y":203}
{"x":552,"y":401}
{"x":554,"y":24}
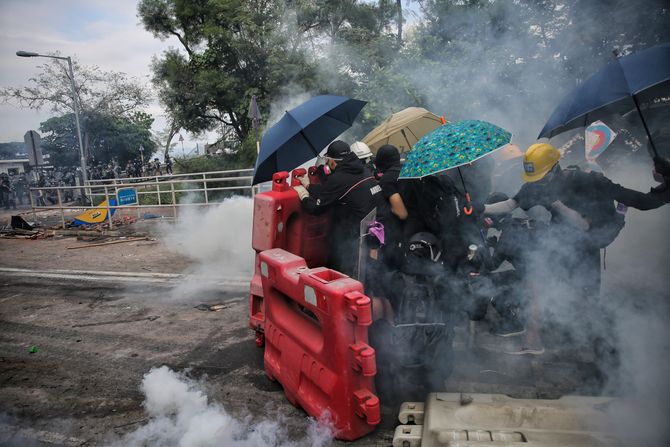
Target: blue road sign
{"x":126,"y":196}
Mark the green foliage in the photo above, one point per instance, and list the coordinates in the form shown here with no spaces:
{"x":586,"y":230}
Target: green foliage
{"x":507,"y":61}
{"x":9,"y":151}
{"x":234,"y":49}
{"x":210,"y":163}
{"x":107,"y":138}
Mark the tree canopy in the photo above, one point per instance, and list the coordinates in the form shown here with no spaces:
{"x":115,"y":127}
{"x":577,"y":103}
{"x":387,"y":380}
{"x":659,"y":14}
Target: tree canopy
{"x":108,"y":137}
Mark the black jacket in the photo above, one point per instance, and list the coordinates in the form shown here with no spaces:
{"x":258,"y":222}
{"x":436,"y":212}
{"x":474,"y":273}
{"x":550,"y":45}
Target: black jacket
{"x":351,"y":191}
{"x":592,"y":195}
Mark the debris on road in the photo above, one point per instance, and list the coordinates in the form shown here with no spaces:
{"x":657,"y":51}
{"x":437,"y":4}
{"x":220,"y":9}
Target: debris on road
{"x":129,"y":320}
{"x":118,"y":241}
{"x":211,"y":307}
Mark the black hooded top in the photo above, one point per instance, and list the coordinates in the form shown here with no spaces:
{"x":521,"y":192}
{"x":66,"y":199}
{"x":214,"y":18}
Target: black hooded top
{"x":350,"y":188}
{"x":388,"y":163}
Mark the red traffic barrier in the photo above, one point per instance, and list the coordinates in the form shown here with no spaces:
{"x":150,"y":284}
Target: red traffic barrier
{"x":279,"y":222}
{"x":316,"y":342}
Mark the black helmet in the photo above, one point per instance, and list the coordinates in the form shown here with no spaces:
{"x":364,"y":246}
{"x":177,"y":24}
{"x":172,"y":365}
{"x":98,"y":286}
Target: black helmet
{"x":337,"y":150}
{"x":424,"y":245}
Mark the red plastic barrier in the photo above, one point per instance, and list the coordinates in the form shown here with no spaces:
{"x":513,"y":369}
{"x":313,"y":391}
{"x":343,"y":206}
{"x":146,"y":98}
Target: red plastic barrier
{"x":279,"y":222}
{"x":316,"y":342}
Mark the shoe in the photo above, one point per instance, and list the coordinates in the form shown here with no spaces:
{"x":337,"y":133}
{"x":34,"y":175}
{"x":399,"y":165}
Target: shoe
{"x":507,"y":328}
{"x":539,"y":350}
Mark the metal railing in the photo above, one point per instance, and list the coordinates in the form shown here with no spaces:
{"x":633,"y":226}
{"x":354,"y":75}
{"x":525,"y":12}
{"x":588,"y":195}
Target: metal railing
{"x":171,"y":194}
{"x":167,"y":177}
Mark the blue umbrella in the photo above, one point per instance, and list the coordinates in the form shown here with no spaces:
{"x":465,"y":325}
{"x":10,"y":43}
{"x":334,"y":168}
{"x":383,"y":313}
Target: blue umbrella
{"x":619,"y":87}
{"x":303,"y":132}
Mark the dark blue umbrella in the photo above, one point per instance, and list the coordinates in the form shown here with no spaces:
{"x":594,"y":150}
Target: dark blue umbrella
{"x":303,"y":132}
{"x":623,"y":85}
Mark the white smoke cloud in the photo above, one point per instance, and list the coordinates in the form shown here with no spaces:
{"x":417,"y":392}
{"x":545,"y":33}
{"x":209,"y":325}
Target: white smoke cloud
{"x":217,"y":239}
{"x":180,"y":415}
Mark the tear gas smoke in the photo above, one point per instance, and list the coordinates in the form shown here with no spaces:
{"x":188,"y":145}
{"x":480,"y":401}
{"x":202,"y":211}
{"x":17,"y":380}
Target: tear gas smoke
{"x":180,"y":415}
{"x":513,"y":74}
{"x":217,"y":239}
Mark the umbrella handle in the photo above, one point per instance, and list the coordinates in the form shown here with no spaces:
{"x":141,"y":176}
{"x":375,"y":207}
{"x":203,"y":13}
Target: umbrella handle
{"x":468,"y":210}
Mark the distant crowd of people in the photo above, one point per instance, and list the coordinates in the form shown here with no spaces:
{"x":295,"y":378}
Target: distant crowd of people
{"x":15,"y":187}
{"x":135,"y":168}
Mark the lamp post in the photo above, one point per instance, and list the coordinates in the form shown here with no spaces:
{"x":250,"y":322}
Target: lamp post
{"x":74,"y":100}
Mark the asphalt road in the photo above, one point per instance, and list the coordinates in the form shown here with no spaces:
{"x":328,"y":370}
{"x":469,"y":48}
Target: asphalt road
{"x":96,"y":334}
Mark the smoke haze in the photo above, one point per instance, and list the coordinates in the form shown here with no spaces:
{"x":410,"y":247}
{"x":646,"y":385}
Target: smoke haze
{"x":180,"y":415}
{"x":217,"y":239}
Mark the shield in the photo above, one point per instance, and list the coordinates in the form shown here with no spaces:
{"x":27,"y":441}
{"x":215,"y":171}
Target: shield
{"x":403,"y":129}
{"x":453,"y":145}
{"x":636,"y":82}
{"x":303,"y":132}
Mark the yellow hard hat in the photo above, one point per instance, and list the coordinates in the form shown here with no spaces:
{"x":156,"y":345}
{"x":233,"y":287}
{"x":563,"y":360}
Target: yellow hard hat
{"x":538,"y":160}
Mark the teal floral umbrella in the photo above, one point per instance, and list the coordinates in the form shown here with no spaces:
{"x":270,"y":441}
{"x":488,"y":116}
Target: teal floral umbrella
{"x":453,"y":145}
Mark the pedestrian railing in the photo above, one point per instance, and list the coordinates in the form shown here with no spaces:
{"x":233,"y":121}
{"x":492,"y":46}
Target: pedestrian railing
{"x":207,"y":188}
{"x":168,"y":177}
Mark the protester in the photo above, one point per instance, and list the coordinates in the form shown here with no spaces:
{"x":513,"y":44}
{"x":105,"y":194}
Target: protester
{"x":413,"y":340}
{"x":388,"y":170}
{"x":434,"y":205}
{"x":363,"y":153}
{"x":352,"y":192}
{"x":584,"y":220}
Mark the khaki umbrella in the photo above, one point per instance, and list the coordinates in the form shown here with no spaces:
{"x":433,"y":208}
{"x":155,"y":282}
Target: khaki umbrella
{"x":403,"y":129}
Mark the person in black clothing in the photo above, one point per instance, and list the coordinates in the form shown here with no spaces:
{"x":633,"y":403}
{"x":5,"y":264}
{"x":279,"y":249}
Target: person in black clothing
{"x":388,"y":170}
{"x":413,"y":343}
{"x":585,"y":219}
{"x":168,"y":164}
{"x":435,"y":205}
{"x":7,"y":193}
{"x":352,"y":192}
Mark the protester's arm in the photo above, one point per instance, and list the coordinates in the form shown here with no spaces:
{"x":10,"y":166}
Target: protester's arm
{"x":632,"y":198}
{"x":570,"y":216}
{"x":320,"y":197}
{"x":398,"y":206}
{"x":504,"y":207}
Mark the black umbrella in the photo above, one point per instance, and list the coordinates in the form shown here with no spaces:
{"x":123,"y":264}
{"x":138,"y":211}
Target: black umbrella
{"x":633,"y":82}
{"x":303,"y":132}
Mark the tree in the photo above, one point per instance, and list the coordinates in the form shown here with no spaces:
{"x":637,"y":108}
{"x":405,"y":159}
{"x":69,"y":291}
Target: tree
{"x":108,"y":94}
{"x":97,"y":90}
{"x":231,"y":50}
{"x":12,"y":150}
{"x":108,"y":138}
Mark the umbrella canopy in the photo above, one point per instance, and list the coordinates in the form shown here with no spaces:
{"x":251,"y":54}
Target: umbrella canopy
{"x":303,"y":132}
{"x":619,"y":87}
{"x":403,"y":129}
{"x":453,"y":145}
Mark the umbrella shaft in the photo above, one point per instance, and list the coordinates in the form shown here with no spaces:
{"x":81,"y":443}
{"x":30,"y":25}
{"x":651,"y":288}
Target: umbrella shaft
{"x":646,"y":129}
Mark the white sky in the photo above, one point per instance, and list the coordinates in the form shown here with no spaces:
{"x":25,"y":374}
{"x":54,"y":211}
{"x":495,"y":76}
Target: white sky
{"x":106,"y":33}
